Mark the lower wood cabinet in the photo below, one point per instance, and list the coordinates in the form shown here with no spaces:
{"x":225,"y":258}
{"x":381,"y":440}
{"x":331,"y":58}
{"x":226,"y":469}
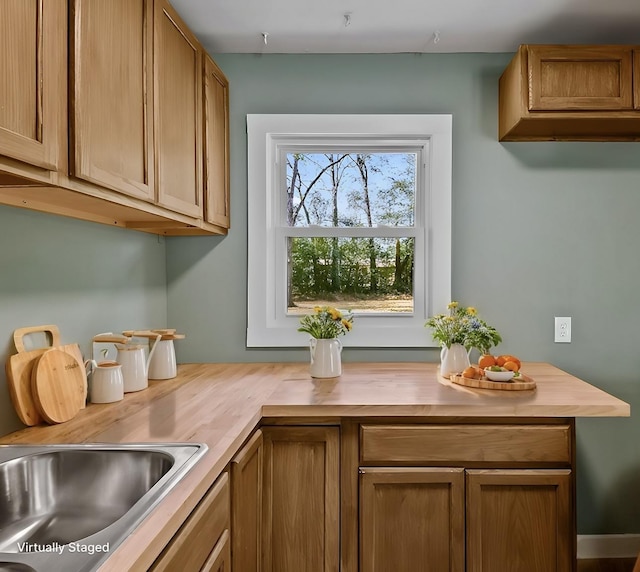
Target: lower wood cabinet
{"x":246,"y":506}
{"x":203,"y":541}
{"x":412,"y":519}
{"x":301,"y":524}
{"x":519,"y":521}
{"x":488,"y":497}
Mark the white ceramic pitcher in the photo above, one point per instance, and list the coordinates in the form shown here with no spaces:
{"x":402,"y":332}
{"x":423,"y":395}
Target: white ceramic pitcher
{"x":326,"y":360}
{"x":107,"y":384}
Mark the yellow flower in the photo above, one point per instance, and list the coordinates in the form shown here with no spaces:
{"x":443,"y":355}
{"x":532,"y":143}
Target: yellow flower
{"x":472,"y":311}
{"x":448,"y":318}
{"x":452,"y":305}
{"x":335,"y":314}
{"x":317,"y":309}
{"x":347,"y":324}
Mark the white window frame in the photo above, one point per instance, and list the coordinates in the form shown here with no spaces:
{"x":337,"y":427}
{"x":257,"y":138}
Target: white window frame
{"x":268,"y":324}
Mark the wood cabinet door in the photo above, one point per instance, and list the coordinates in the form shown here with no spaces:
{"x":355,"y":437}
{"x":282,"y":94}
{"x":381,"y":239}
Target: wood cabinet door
{"x":301,"y":499}
{"x":111,"y":82}
{"x":246,"y":506}
{"x":580,"y":78}
{"x":216,"y":144}
{"x":412,"y":520}
{"x":33,"y":91}
{"x":636,"y":79}
{"x":520,"y":520}
{"x":177,"y":113}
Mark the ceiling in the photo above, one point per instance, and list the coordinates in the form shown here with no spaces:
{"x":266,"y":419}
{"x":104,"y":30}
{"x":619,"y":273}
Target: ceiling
{"x":414,"y":26}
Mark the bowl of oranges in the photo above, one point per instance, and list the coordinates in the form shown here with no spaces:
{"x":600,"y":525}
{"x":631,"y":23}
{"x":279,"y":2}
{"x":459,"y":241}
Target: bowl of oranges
{"x":499,"y":368}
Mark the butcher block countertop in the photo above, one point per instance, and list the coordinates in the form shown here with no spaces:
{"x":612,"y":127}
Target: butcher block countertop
{"x":222,"y":404}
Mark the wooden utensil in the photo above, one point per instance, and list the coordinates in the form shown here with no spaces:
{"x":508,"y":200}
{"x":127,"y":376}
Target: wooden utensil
{"x":19,"y":368}
{"x":57,"y":385}
{"x":524,"y":383}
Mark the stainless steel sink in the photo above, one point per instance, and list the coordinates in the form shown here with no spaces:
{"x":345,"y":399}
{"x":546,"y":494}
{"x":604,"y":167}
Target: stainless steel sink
{"x":67,"y":507}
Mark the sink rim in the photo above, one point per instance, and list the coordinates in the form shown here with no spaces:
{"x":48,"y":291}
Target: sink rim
{"x":184,"y":454}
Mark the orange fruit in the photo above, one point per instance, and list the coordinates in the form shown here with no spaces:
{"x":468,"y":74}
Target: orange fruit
{"x":513,"y":359}
{"x":500,"y":360}
{"x":469,"y":373}
{"x":486,"y":360}
{"x":511,"y":366}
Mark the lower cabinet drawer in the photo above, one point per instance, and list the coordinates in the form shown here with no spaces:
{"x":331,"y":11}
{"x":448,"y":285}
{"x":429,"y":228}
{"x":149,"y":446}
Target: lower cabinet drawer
{"x":423,"y":444}
{"x":191,"y":547}
{"x":220,"y":558}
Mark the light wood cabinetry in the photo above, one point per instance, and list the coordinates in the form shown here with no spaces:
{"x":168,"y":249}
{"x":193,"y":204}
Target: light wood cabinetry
{"x":570,"y":92}
{"x":246,"y":505}
{"x":203,"y":541}
{"x":133,"y":82}
{"x":112,"y":94}
{"x":178,"y":112}
{"x":220,"y":558}
{"x":519,"y":521}
{"x":500,"y":496}
{"x":636,"y":79}
{"x":412,"y":519}
{"x":301,"y":524}
{"x":580,"y":78}
{"x":216,"y":144}
{"x":33,"y":101}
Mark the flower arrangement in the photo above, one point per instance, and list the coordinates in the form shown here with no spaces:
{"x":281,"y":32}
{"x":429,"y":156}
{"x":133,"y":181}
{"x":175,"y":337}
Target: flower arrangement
{"x":326,"y":323}
{"x":463,"y":326}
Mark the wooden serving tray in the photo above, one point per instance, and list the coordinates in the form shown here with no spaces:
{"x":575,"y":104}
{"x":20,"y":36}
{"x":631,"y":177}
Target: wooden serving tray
{"x":524,"y":382}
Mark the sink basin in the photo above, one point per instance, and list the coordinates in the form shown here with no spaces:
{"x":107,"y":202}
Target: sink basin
{"x":67,"y":507}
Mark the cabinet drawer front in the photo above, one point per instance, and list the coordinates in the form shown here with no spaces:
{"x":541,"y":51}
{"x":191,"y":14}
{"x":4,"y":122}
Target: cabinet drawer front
{"x":582,"y":78}
{"x":465,"y":443}
{"x":193,"y":543}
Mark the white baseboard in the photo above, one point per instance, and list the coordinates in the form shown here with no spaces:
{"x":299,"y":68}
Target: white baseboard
{"x":608,"y":546}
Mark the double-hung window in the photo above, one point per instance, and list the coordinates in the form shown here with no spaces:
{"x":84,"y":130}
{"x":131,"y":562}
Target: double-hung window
{"x":350,"y":211}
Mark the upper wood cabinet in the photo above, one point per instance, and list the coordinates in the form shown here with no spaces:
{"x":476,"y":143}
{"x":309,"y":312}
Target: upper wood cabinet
{"x":581,"y":78}
{"x":178,"y":112}
{"x":216,"y":144}
{"x":112,"y":94}
{"x":33,"y":102}
{"x":130,"y":152}
{"x":572,"y":93}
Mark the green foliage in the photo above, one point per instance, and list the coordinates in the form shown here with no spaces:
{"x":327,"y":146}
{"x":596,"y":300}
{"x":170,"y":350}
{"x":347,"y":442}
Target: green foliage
{"x":463,"y":326}
{"x":326,"y":323}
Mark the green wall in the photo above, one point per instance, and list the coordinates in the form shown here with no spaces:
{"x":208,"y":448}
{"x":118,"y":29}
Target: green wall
{"x":86,"y":278}
{"x":539,"y":230}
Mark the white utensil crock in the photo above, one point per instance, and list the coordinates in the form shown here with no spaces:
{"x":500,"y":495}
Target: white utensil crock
{"x":107,"y":384}
{"x":163,"y":361}
{"x":326,"y":358}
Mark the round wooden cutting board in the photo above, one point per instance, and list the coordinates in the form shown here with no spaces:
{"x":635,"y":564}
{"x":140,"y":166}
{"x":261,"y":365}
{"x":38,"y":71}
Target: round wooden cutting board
{"x":58,"y":386}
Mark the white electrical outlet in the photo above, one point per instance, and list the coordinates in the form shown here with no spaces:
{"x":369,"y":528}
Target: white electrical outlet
{"x":563,"y":330}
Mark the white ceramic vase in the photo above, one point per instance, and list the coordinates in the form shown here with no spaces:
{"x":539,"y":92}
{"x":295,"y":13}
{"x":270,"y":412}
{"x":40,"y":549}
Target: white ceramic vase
{"x":326,"y":359}
{"x":453,"y":360}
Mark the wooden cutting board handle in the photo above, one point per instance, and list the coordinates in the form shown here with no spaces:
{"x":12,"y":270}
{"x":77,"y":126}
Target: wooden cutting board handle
{"x":20,"y":333}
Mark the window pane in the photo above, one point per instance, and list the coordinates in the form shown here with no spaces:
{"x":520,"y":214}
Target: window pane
{"x":351,"y":189}
{"x":372,"y":275}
